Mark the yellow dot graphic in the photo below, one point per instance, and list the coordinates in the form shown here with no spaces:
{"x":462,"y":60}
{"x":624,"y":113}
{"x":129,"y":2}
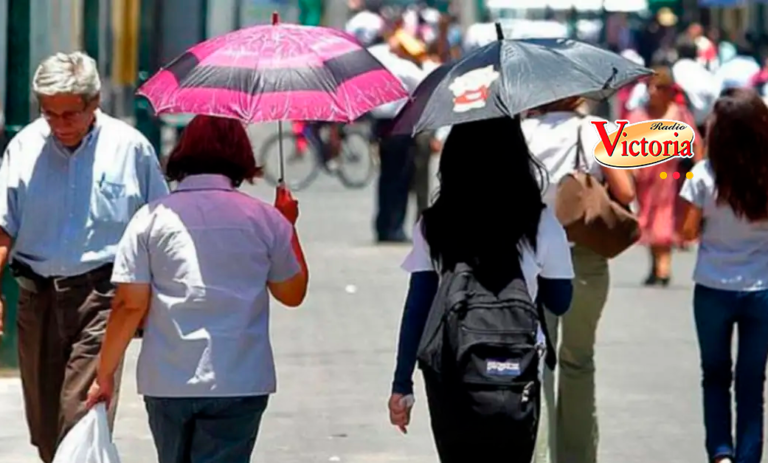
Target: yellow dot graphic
{"x":663,"y":175}
{"x":689,"y":175}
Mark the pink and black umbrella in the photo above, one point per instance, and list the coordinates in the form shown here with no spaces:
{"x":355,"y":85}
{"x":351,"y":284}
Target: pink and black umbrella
{"x":278,"y":72}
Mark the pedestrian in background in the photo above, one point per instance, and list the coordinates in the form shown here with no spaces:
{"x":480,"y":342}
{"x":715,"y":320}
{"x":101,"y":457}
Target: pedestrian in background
{"x":397,"y":52}
{"x":69,"y":184}
{"x":558,"y":135}
{"x":727,"y":209}
{"x":657,"y":197}
{"x":200,"y":265}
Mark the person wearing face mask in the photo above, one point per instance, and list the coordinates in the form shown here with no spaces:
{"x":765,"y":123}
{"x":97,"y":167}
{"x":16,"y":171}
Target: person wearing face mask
{"x":70,"y":182}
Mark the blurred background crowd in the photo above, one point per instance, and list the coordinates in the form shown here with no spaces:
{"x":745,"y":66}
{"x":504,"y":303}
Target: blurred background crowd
{"x":133,"y":38}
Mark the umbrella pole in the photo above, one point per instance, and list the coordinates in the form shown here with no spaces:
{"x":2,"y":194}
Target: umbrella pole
{"x":280,"y":146}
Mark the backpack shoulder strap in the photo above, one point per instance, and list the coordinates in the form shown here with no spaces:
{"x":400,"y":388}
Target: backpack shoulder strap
{"x":551,"y":354}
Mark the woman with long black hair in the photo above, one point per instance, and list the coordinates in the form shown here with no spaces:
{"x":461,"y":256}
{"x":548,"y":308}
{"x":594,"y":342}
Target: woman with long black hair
{"x":489,"y":214}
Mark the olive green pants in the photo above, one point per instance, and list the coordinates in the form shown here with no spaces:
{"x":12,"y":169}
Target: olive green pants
{"x":568,"y":431}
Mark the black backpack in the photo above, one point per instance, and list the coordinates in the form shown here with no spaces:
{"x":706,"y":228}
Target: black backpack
{"x":482,"y":347}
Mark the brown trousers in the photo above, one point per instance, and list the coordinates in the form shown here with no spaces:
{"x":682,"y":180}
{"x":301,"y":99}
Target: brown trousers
{"x":60,"y":336}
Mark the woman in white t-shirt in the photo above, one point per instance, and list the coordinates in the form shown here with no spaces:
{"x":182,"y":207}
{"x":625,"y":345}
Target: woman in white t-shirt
{"x":489,"y":213}
{"x":727,"y":210}
{"x":569,"y":426}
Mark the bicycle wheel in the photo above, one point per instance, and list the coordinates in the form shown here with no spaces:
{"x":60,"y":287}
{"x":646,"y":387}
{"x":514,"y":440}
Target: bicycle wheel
{"x":301,"y":167}
{"x":357,"y":165}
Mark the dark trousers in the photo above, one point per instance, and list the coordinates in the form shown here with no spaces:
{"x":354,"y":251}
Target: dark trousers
{"x":422,"y":155}
{"x":60,"y":336}
{"x":205,"y":430}
{"x":717,"y":313}
{"x":464,"y":437}
{"x":395,"y":154}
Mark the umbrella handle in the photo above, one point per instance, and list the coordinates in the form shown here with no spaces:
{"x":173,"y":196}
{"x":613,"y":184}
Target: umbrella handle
{"x":499,"y":32}
{"x":281,"y":181}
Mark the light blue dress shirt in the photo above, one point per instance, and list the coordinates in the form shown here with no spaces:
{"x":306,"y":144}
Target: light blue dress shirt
{"x":67,"y":210}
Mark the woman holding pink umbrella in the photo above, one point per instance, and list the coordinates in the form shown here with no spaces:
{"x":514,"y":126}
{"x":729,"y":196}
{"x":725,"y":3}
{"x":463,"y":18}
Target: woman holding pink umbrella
{"x":200,"y":265}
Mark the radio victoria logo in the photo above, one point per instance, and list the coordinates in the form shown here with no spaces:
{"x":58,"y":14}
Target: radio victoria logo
{"x":643,"y":144}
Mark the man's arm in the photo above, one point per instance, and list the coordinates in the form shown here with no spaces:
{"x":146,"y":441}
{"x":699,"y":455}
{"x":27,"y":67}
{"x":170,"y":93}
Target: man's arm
{"x":151,"y":178}
{"x":6,"y":243}
{"x":8,"y":220}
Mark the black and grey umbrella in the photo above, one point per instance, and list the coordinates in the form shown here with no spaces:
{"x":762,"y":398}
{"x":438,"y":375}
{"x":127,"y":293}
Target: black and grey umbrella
{"x":507,"y":77}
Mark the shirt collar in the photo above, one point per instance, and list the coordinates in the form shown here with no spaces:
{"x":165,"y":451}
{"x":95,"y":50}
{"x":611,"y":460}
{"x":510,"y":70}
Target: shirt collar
{"x":205,"y":182}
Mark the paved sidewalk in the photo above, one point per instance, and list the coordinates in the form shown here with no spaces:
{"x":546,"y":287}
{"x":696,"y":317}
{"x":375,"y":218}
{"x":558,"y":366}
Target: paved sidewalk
{"x":335,"y":357}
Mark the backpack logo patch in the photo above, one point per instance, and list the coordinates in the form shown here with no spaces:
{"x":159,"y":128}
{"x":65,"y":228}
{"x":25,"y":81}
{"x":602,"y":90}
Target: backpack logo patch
{"x":502,"y":368}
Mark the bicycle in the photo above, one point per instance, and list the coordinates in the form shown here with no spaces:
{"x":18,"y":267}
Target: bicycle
{"x":354,"y":163}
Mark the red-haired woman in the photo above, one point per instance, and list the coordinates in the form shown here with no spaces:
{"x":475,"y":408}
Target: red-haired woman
{"x":657,"y":196}
{"x":199,"y":265}
{"x":729,"y":192}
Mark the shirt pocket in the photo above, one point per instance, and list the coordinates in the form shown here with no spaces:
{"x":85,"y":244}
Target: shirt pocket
{"x":110,"y":203}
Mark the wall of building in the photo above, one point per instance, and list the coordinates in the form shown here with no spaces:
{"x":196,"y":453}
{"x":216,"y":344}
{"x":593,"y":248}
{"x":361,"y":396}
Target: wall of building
{"x":182,"y":26}
{"x":222,"y":18}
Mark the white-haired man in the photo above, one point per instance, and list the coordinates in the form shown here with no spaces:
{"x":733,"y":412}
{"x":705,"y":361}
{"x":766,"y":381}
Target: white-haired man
{"x":69,"y":183}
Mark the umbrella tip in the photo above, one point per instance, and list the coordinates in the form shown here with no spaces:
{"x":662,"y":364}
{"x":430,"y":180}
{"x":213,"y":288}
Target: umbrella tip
{"x":275,"y":18}
{"x":499,"y":32}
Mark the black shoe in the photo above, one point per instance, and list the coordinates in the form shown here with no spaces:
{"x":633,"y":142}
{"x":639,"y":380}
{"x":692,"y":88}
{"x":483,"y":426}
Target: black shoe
{"x":655,"y":280}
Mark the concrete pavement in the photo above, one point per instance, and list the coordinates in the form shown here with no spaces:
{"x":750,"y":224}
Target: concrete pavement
{"x":335,"y":358}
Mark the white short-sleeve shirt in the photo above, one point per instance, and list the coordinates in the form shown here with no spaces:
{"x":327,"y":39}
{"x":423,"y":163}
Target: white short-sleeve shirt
{"x":733,"y":252}
{"x":208,"y":251}
{"x":552,"y":138}
{"x":552,"y":258}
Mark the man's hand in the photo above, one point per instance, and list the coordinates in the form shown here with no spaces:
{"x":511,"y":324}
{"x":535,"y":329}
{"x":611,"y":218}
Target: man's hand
{"x":400,"y":411}
{"x":286,"y":204}
{"x":102,"y":390}
{"x":2,"y":316}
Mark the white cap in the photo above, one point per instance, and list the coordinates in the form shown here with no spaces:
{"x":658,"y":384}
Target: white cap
{"x":366,"y":26}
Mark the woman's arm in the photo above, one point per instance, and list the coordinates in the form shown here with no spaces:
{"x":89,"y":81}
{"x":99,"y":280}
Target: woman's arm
{"x":620,"y":184}
{"x":292,"y":292}
{"x":421,"y":293}
{"x":690,"y":227}
{"x":130,"y":305}
{"x":556,"y":294}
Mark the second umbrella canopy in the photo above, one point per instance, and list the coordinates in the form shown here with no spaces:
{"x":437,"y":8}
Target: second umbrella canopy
{"x":508,"y":77}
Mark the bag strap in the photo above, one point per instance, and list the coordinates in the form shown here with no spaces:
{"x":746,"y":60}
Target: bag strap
{"x":580,"y":160}
{"x":550,"y":357}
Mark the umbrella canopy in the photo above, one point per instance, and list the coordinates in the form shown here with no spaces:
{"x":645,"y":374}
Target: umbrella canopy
{"x":507,"y":77}
{"x":276,"y":72}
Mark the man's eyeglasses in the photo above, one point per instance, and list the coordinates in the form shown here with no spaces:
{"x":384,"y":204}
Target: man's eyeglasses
{"x":66,"y":116}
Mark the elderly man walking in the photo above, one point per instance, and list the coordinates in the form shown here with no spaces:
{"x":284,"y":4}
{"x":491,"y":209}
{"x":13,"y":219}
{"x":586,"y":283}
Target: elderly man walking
{"x":69,"y":184}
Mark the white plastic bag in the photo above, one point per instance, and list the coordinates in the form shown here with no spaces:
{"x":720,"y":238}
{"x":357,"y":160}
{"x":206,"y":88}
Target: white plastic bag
{"x":89,"y":441}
